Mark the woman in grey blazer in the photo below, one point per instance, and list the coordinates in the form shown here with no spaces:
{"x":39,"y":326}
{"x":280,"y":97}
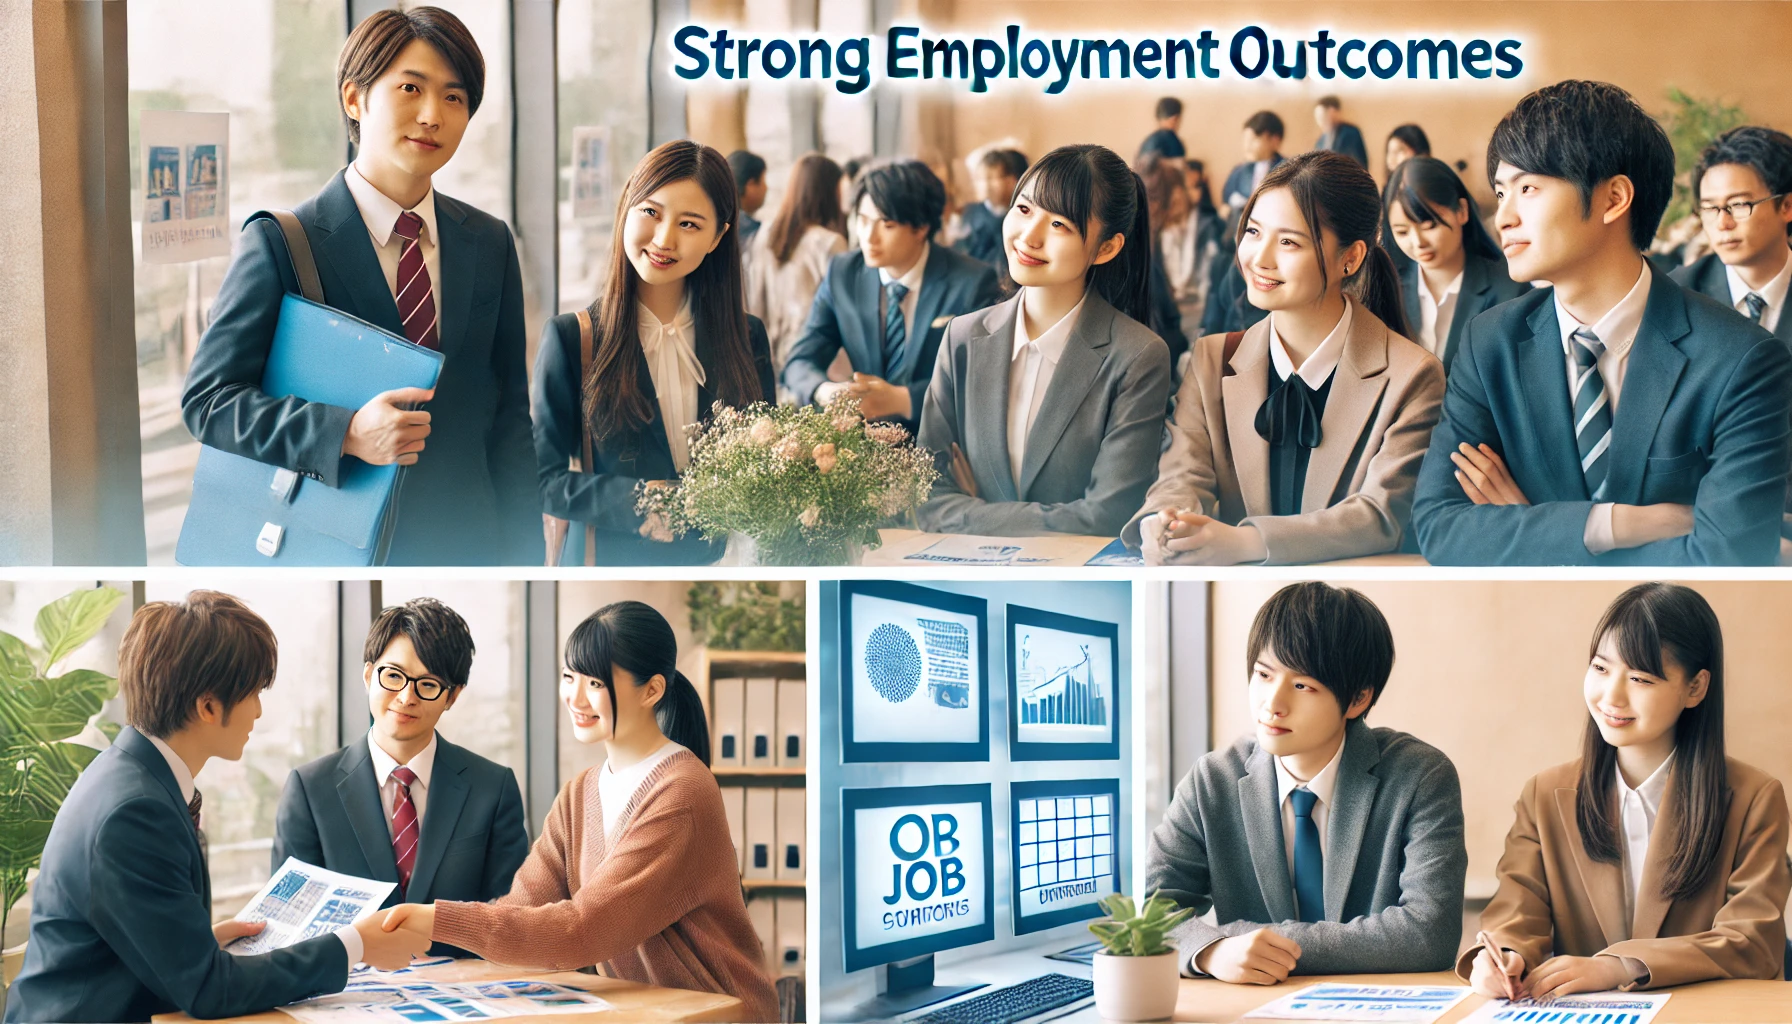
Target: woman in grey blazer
{"x":1045,"y":413}
{"x":1299,"y":440}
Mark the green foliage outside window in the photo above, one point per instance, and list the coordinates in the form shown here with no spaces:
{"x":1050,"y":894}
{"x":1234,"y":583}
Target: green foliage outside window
{"x":741,"y":616}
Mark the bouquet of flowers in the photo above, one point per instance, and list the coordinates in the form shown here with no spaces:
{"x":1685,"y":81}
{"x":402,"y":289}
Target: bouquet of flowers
{"x":808,"y":485}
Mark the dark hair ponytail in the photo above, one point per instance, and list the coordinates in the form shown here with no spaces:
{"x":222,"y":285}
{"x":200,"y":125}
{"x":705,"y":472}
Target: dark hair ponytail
{"x":1422,"y":183}
{"x":1336,"y":194}
{"x":1085,"y":182}
{"x":633,"y":636}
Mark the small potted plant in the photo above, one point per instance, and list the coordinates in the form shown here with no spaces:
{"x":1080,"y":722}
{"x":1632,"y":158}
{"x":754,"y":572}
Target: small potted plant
{"x":1135,"y":971}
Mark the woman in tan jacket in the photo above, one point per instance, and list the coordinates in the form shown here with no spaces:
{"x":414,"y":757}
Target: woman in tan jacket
{"x":635,"y":872}
{"x":1652,"y":860}
{"x":1300,"y":439}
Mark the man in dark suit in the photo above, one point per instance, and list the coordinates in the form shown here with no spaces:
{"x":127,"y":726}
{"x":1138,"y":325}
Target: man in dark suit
{"x":1743,"y":188}
{"x":394,"y":253}
{"x":121,"y":923}
{"x":402,"y":804}
{"x":1164,"y":141}
{"x":1227,"y":308}
{"x":749,"y":183}
{"x":888,"y":304}
{"x":1614,"y":418}
{"x":1337,"y":134}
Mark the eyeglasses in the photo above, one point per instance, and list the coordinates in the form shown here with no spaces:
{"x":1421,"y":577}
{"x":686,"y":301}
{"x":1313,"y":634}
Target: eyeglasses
{"x":392,"y":679}
{"x":1739,"y":210}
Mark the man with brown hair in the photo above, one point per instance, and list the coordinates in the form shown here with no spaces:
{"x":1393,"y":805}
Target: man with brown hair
{"x":121,"y":910}
{"x":395,"y":253}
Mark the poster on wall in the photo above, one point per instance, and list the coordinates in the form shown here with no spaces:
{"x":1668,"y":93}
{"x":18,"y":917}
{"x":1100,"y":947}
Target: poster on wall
{"x":591,"y":198}
{"x":913,"y":674}
{"x":186,"y":186}
{"x":1063,"y":687}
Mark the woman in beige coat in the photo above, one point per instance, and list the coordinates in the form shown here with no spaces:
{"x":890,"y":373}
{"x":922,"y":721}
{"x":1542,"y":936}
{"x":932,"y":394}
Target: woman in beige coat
{"x":786,"y":261}
{"x":1300,"y":439}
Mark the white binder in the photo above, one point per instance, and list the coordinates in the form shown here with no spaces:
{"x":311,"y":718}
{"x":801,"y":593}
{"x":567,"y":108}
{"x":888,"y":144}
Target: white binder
{"x":791,"y":930}
{"x":793,"y":718}
{"x":734,"y":801}
{"x":761,"y":833}
{"x":792,"y":860}
{"x":762,"y":723}
{"x":763,"y":913}
{"x":728,"y":743}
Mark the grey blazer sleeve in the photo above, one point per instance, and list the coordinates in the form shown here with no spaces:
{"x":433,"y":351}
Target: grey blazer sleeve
{"x":508,"y":845}
{"x":295,"y":830}
{"x":1176,"y":867}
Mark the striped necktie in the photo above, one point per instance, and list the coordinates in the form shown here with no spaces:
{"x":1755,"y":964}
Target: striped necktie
{"x":1756,"y":306}
{"x":404,"y":825}
{"x":895,"y":333}
{"x":416,"y":296}
{"x":1592,"y":411}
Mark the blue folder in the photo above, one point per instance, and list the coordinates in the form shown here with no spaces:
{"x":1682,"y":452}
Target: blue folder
{"x":245,"y":512}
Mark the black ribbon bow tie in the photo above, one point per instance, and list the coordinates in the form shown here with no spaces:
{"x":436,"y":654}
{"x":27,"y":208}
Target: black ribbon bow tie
{"x":1291,"y":413}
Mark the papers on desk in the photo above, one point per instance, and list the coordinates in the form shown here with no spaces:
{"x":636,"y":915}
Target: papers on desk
{"x":1592,"y":1008}
{"x":376,"y":1000}
{"x":955,"y":550}
{"x":1390,"y":1004}
{"x":302,"y":901}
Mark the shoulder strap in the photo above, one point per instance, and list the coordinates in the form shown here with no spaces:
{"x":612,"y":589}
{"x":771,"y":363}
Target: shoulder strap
{"x":298,"y":250}
{"x":586,"y":461}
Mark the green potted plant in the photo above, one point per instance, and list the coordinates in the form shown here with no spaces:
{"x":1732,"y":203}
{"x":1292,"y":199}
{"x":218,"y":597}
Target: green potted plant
{"x":40,"y":717}
{"x":1136,"y":971}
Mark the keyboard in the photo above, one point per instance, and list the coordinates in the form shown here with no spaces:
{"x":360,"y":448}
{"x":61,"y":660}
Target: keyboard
{"x":1030,"y":998}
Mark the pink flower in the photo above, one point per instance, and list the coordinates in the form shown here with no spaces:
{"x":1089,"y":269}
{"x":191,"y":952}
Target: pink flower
{"x":791,"y":448}
{"x":825,"y":460}
{"x":845,"y":422}
{"x":886,"y":433}
{"x":810,"y":517}
{"x":764,"y":431}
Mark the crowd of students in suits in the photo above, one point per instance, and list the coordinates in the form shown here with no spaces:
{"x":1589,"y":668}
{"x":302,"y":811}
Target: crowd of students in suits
{"x":1321,"y":845}
{"x":633,"y":873}
{"x":1370,"y":371}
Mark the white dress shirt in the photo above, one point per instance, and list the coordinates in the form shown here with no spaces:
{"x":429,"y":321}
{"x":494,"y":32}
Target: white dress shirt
{"x":380,"y":213}
{"x":183,"y":777}
{"x":911,"y":280}
{"x":616,"y":788}
{"x":1774,"y":292}
{"x":1319,"y":366}
{"x":672,"y":365}
{"x":1617,"y":330}
{"x":1637,"y":810}
{"x":1322,"y":785}
{"x":422,"y":766}
{"x":1030,"y":376}
{"x":1436,"y":313}
{"x":1258,"y":170}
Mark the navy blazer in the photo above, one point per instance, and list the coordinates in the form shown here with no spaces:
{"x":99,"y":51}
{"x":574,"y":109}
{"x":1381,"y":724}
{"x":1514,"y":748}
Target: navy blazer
{"x":845,"y":315}
{"x":1238,"y":183}
{"x":605,"y":493}
{"x":983,"y":237}
{"x":1348,"y":140}
{"x":121,"y":924}
{"x":1706,"y":276}
{"x":1701,"y":421}
{"x":1228,"y":304}
{"x":474,"y":836}
{"x":1485,"y":284}
{"x":470,"y":499}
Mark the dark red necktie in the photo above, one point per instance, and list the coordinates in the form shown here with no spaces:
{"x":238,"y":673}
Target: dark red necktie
{"x":404,"y":825}
{"x":416,"y":300}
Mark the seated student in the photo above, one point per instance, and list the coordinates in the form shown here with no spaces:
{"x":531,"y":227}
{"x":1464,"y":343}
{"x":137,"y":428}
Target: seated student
{"x":396,"y":253}
{"x":1337,"y":134}
{"x":1046,"y":412}
{"x":1743,"y":188}
{"x":1299,"y":439}
{"x":634,"y":871}
{"x":998,"y":171}
{"x":1321,"y":845}
{"x":749,"y":185}
{"x":888,"y":303}
{"x":1454,"y":271}
{"x":1227,"y":307}
{"x":1166,"y":193}
{"x":1192,"y":247}
{"x":1164,"y":141}
{"x":121,"y":914}
{"x":402,"y":804}
{"x":1652,"y":860}
{"x":1614,"y":418}
{"x":1405,"y":142}
{"x":668,"y":339}
{"x":787,"y":260}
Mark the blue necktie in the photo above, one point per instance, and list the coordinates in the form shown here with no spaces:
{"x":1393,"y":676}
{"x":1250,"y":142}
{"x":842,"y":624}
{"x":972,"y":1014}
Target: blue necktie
{"x":895,"y":334}
{"x":1756,"y":306}
{"x":1309,"y":863}
{"x":1592,"y":411}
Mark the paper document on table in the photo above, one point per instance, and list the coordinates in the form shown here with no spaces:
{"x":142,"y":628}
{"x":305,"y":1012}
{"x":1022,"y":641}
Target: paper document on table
{"x":302,"y":901}
{"x":1390,"y":1004}
{"x":1592,"y":1008}
{"x":956,"y":550}
{"x":373,"y":1000}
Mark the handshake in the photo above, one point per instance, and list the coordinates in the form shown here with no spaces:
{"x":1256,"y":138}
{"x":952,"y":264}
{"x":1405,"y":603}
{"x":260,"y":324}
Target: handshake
{"x":390,"y":939}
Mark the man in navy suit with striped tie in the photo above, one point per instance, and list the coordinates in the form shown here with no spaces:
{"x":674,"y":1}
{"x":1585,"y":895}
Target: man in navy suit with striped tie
{"x":888,"y":304}
{"x":1613,"y":418}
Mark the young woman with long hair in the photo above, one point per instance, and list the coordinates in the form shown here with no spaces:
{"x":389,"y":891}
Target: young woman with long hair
{"x":1167,"y":201}
{"x":787,"y":260}
{"x":668,"y":339}
{"x":1299,"y":440}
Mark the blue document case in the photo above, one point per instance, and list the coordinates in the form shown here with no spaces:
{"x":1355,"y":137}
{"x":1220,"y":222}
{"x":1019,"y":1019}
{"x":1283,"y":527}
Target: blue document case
{"x":245,"y":512}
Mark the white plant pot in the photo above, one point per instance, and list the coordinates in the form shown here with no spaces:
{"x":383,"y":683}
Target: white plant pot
{"x":1136,"y":988}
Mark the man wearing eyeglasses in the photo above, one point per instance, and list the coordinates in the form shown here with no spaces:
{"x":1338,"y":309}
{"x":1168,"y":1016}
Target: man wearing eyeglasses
{"x":1741,"y":185}
{"x":402,"y":804}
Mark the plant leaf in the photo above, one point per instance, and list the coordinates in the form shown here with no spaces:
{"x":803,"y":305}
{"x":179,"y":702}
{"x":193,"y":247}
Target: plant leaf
{"x":48,"y":710}
{"x":15,"y":660}
{"x":70,"y":621}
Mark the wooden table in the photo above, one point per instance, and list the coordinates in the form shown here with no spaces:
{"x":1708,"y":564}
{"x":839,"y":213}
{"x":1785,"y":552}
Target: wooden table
{"x":1711,"y":1002}
{"x":631,"y":1001}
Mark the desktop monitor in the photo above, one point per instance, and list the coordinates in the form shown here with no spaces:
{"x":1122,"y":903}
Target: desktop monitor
{"x":914,"y":673}
{"x":918,"y":877}
{"x":1064,"y":850}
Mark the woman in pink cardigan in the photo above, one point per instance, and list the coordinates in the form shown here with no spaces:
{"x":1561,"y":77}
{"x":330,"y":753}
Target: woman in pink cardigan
{"x":635,"y":871}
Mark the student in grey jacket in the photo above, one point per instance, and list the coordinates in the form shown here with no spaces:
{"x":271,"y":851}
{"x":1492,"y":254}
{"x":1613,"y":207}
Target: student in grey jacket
{"x":1321,"y":845}
{"x":1046,"y":412}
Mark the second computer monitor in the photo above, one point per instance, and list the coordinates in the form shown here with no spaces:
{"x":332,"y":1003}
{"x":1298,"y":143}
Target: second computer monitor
{"x":1065,"y":850}
{"x":918,"y":871}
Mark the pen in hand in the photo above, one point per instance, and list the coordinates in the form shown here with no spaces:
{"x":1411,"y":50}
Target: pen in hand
{"x":1486,"y":941}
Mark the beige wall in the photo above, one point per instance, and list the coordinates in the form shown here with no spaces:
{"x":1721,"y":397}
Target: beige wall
{"x":1489,"y":672}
